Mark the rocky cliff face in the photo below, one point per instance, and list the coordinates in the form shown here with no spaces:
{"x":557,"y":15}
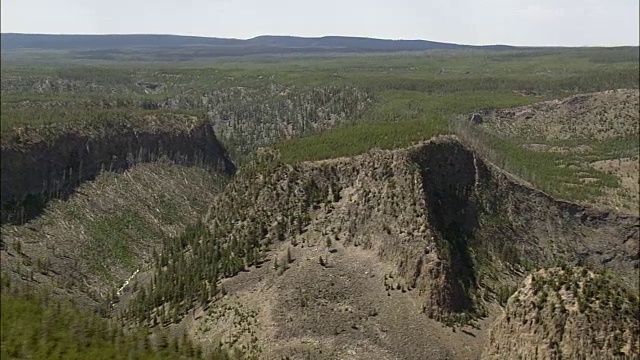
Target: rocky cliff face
{"x":443,"y":216}
{"x":567,"y":313}
{"x":450,"y":224}
{"x":42,"y":169}
{"x":430,"y":228}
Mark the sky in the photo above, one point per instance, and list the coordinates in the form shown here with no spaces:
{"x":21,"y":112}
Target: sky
{"x":474,"y":22}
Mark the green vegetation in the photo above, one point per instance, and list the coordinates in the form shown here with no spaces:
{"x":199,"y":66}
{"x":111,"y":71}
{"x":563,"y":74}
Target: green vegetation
{"x":114,"y":234}
{"x":258,"y":102}
{"x":342,"y":106}
{"x":188,"y":269}
{"x":402,"y":118}
{"x":38,"y":325}
{"x":592,"y":290}
{"x":110,"y":226}
{"x":504,"y":292}
{"x":307,"y":108}
{"x":555,"y":173}
{"x":244,"y":326}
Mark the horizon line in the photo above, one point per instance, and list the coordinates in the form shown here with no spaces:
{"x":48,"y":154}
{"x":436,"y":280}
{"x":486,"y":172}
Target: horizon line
{"x":313,"y":37}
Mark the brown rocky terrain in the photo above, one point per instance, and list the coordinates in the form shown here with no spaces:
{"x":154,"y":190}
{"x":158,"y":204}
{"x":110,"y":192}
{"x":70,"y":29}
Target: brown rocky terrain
{"x":343,"y":310}
{"x":603,"y":115}
{"x":517,"y":238}
{"x":627,"y":169}
{"x":567,"y":313}
{"x":410,"y":239}
{"x":402,"y":254}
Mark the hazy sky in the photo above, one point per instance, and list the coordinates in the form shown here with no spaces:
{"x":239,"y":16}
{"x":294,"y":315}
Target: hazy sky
{"x":514,"y":22}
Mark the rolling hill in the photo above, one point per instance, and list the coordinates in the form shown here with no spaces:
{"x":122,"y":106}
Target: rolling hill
{"x":260,"y":44}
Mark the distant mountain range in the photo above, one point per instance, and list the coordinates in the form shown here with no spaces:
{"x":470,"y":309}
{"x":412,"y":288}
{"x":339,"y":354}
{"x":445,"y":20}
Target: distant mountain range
{"x":259,"y":45}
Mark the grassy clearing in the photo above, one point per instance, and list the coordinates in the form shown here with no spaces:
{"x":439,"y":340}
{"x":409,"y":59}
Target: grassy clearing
{"x":554,"y":145}
{"x":555,"y":173}
{"x":401,"y":118}
{"x":404,"y":117}
{"x":116,"y":235}
{"x":359,"y":138}
{"x":627,"y":146}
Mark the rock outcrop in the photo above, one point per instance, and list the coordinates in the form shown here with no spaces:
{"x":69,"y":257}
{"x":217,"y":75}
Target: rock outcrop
{"x":436,"y":222}
{"x":448,"y":222}
{"x":447,"y":229}
{"x":476,"y":119}
{"x":567,"y":313}
{"x":37,"y":166}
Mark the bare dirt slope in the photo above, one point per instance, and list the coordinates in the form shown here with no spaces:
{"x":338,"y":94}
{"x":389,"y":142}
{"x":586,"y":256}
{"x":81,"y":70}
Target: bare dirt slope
{"x":598,"y":116}
{"x":627,"y":169}
{"x":337,"y":311}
